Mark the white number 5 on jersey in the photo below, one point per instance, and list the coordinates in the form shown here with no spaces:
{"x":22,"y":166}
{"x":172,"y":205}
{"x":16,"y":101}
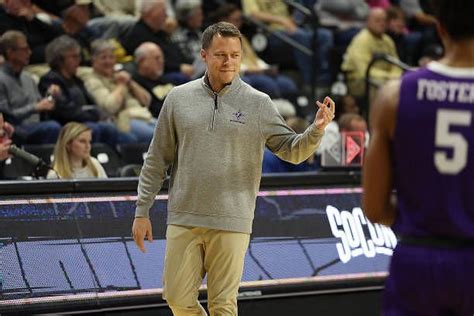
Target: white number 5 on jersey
{"x":446,"y":139}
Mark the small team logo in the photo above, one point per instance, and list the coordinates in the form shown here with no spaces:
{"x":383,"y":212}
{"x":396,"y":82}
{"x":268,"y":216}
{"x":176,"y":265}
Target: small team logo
{"x":238,"y":117}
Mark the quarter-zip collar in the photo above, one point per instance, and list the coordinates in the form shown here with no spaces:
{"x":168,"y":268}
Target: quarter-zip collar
{"x":228,"y":88}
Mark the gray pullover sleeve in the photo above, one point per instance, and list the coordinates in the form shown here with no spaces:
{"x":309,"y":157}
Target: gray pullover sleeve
{"x":158,"y":159}
{"x":282,"y":140}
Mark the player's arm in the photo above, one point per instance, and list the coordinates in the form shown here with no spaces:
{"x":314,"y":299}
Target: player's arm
{"x":377,"y":170}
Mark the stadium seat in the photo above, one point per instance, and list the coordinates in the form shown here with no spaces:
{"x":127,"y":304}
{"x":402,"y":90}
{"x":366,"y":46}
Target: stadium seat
{"x":15,"y":168}
{"x":108,"y":158}
{"x":133,"y":153}
{"x":130,"y":170}
{"x":43,"y":151}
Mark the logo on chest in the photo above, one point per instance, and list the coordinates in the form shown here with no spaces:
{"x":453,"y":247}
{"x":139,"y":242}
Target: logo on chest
{"x":238,"y":117}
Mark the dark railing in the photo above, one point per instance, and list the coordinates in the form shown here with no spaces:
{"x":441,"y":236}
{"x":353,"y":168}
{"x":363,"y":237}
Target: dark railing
{"x":376,"y":58}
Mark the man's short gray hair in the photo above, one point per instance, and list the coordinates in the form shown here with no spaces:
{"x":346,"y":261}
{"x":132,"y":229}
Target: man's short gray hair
{"x":142,"y":50}
{"x":100,"y":45}
{"x":56,"y":50}
{"x":147,"y":5}
{"x":185,"y":8}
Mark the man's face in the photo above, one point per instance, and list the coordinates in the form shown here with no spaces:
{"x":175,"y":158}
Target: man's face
{"x":156,"y":17}
{"x":20,"y":55}
{"x":152,"y":63}
{"x":377,"y":22}
{"x":223,"y":58}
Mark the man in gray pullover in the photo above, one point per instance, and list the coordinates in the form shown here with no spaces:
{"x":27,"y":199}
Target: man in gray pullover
{"x":212,"y":132}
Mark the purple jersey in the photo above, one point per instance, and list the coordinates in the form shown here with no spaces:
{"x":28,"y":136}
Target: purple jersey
{"x":434,"y":153}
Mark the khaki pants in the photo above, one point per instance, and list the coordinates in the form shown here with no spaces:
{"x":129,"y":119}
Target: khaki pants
{"x":191,"y":252}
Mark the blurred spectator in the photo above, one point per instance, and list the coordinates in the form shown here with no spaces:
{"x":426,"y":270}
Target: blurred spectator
{"x":19,"y":15}
{"x":347,"y":17}
{"x":6,"y":132}
{"x":352,"y":122}
{"x":113,"y":19}
{"x":188,"y":33}
{"x":20,"y":100}
{"x":74,"y":102}
{"x":276,"y":15}
{"x":407,"y":43}
{"x":51,"y":10}
{"x":254,"y":70}
{"x":74,"y":24}
{"x":149,"y":74}
{"x":130,"y":11}
{"x":414,"y":11}
{"x":421,"y":21}
{"x":348,"y":104}
{"x":273,"y":164}
{"x":72,"y":154}
{"x":210,"y":6}
{"x":360,"y":52}
{"x":118,"y":95}
{"x":150,"y":29}
{"x":116,"y":7}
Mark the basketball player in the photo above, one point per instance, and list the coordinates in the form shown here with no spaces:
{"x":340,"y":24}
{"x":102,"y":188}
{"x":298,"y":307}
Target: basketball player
{"x":422,"y":145}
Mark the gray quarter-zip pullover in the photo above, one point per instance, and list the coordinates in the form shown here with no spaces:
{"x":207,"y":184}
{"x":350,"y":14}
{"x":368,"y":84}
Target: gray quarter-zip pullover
{"x":215,"y":144}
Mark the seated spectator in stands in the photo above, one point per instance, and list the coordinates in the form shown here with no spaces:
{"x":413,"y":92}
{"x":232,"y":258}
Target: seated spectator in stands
{"x":150,"y":29}
{"x":6,"y":132}
{"x":74,"y":102}
{"x":51,"y":11}
{"x":348,"y":105}
{"x":74,"y":24}
{"x":369,"y":41}
{"x":72,"y":154}
{"x":352,"y":122}
{"x":149,"y":74}
{"x":118,"y":95}
{"x":420,"y":21}
{"x":346,"y":17}
{"x":188,"y":33}
{"x":407,"y":43}
{"x":416,"y":14}
{"x":254,"y":70}
{"x":273,"y":164}
{"x":117,"y":17}
{"x":20,"y":100}
{"x":19,"y":15}
{"x":276,"y":15}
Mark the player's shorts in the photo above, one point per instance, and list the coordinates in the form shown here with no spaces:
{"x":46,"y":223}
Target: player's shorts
{"x":430,"y":281}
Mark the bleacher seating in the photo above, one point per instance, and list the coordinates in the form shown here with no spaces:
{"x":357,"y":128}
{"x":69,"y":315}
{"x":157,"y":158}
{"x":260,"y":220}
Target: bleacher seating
{"x":108,"y":158}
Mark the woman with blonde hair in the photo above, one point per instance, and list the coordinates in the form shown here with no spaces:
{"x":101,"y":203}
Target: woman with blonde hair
{"x":72,"y":159}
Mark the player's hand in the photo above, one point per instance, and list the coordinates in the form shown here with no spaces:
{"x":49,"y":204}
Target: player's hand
{"x":142,"y":228}
{"x":325,"y":113}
